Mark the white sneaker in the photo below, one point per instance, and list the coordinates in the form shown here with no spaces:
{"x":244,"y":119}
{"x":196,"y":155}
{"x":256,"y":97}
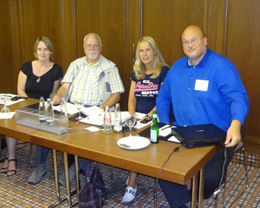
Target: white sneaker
{"x":129,"y":196}
{"x":127,"y":180}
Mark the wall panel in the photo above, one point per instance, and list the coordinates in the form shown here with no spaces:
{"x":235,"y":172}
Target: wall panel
{"x":41,"y":18}
{"x":69,"y":45}
{"x":165,"y":21}
{"x":7,"y":83}
{"x":243,"y":50}
{"x":216,"y":26}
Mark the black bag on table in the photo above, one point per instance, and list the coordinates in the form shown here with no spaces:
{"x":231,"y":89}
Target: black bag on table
{"x":93,"y":193}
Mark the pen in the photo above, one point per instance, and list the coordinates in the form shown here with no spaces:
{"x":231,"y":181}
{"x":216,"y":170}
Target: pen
{"x":166,"y":127}
{"x":5,"y":95}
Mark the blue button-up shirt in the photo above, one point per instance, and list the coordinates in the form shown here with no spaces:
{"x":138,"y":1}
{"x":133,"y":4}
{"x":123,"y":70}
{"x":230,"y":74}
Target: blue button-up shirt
{"x":210,"y":92}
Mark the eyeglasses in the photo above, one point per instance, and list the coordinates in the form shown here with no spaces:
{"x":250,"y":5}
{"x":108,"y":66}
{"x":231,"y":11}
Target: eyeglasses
{"x":92,"y":45}
{"x":42,"y":50}
{"x":193,"y":41}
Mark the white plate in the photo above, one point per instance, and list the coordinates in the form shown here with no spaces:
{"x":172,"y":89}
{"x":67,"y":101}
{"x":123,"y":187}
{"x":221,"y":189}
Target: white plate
{"x":133,"y":142}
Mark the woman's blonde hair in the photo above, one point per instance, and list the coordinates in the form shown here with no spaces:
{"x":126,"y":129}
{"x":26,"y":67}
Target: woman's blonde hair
{"x":48,"y":44}
{"x":139,"y":67}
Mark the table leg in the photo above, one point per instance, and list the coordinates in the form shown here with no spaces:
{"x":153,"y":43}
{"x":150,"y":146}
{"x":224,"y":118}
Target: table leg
{"x":194,"y":191}
{"x":67,"y":178}
{"x":77,"y":174}
{"x":59,"y":200}
{"x":56,"y":174}
{"x":201,"y":187}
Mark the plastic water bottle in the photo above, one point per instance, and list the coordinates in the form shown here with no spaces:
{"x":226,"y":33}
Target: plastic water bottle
{"x":107,"y":121}
{"x":49,"y":112}
{"x":42,"y":110}
{"x":154,"y":131}
{"x":117,"y":118}
{"x":63,"y":107}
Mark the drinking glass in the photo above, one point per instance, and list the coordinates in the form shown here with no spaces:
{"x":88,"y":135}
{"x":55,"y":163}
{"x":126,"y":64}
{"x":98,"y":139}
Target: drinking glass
{"x":5,"y":109}
{"x":130,"y":121}
{"x":79,"y":104}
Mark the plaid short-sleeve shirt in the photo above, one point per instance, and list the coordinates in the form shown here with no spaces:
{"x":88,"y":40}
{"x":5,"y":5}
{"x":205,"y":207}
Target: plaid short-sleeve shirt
{"x":84,"y":81}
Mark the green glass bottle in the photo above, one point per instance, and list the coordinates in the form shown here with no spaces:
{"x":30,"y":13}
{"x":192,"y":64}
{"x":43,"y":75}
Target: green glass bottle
{"x":154,"y":131}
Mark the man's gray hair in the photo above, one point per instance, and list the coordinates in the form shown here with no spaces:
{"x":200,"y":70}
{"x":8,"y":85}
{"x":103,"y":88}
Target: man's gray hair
{"x":99,"y":39}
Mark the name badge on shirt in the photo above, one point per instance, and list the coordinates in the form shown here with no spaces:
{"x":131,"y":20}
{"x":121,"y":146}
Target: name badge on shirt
{"x":201,"y":85}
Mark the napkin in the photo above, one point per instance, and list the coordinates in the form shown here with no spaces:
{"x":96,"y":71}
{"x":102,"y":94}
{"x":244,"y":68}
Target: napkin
{"x":6,"y":115}
{"x":165,"y":130}
{"x":92,"y":129}
{"x":174,"y":139}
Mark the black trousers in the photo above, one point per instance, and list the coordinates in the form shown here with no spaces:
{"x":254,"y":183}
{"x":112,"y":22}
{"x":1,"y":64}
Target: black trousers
{"x":177,"y":195}
{"x":3,"y":142}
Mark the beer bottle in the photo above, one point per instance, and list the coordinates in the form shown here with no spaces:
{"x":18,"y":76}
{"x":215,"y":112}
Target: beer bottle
{"x":154,"y":131}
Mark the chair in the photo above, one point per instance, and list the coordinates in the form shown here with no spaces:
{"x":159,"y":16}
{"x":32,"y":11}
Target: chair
{"x":238,"y":148}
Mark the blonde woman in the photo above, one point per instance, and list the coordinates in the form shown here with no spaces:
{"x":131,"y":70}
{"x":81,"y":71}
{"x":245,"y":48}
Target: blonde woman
{"x":149,"y":72}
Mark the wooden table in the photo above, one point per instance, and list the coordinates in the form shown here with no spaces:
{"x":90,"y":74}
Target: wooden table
{"x":183,"y":165}
{"x":180,"y":168}
{"x":9,"y":127}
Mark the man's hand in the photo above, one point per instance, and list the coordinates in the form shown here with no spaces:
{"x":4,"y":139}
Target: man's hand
{"x":56,"y":99}
{"x":112,"y":100}
{"x":62,"y":92}
{"x":233,"y":134}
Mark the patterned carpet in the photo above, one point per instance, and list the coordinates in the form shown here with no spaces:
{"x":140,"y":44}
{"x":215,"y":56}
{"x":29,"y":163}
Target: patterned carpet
{"x":16,"y":192}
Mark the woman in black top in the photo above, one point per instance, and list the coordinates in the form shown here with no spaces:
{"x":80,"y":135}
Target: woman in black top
{"x":40,"y":77}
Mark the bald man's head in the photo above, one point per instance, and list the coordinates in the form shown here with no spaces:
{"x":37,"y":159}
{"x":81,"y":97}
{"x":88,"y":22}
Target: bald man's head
{"x":194,"y":43}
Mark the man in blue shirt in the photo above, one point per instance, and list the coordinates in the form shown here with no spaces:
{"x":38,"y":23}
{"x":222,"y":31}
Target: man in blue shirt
{"x":203,"y":87}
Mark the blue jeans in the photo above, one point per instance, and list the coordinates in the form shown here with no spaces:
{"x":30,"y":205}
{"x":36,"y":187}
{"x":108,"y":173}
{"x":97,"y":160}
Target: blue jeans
{"x":177,"y":195}
{"x":42,"y":154}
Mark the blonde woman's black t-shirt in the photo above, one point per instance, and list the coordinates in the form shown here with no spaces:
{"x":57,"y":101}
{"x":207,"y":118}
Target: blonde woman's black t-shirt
{"x":146,"y":90}
{"x":45,"y":83}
